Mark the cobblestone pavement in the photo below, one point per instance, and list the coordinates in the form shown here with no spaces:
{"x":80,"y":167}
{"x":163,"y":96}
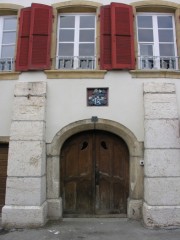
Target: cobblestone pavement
{"x":91,"y":229}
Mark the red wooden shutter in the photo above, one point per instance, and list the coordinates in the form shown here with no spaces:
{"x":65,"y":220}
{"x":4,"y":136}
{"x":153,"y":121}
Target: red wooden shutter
{"x":117,"y":42}
{"x":23,"y":40}
{"x":122,"y":36}
{"x":105,"y":38}
{"x":40,"y":36}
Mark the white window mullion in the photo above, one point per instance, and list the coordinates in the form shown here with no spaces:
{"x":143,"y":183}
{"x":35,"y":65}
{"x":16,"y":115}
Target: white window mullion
{"x":76,"y":42}
{"x":156,"y":52}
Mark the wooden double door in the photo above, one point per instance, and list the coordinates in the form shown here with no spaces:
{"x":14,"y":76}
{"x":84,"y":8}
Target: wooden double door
{"x":94,"y":174}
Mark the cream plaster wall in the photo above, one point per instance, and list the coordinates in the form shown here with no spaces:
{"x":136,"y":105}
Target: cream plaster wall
{"x":66,"y":101}
{"x":66,"y":98}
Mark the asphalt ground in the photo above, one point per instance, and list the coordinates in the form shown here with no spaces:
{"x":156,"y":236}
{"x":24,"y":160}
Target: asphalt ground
{"x":91,"y":229}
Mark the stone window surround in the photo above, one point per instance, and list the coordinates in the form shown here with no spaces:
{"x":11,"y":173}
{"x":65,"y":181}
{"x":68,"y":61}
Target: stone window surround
{"x":9,"y":9}
{"x":136,"y":153}
{"x":73,"y":7}
{"x":158,"y":6}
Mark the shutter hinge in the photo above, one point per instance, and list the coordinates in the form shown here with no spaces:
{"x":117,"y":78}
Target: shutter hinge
{"x":99,"y":15}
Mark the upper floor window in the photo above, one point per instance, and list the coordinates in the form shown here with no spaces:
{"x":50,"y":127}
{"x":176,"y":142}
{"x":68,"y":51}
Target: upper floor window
{"x":76,"y":41}
{"x":7,"y":42}
{"x":156,"y":41}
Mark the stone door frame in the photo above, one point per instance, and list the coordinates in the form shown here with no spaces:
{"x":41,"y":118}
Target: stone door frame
{"x":136,"y":153}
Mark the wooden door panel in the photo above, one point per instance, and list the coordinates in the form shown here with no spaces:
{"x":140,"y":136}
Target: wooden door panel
{"x":104,"y":196}
{"x":84,"y":197}
{"x":70,"y":196}
{"x":119,"y":198}
{"x":112,"y":160}
{"x":76,"y":174}
{"x":71,"y":166}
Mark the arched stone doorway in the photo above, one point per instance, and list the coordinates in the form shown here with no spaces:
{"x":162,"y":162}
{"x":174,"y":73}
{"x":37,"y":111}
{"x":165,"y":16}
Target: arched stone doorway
{"x":135,"y":148}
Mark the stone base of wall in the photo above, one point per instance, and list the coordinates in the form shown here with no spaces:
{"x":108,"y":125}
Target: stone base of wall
{"x":161,"y":216}
{"x":54,"y":209}
{"x":24,"y":216}
{"x":134,"y":209}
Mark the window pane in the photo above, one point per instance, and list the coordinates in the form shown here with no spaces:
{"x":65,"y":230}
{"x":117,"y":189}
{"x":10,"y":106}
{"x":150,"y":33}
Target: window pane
{"x":66,"y":35}
{"x":145,"y":35}
{"x":7,"y":51}
{"x":87,"y":21}
{"x":9,"y":37}
{"x":165,"y":22}
{"x":166,"y":36}
{"x":86,"y":36}
{"x":146,"y":50}
{"x":86,"y":49}
{"x":67,"y":21}
{"x":166,"y":49}
{"x":10,"y":23}
{"x":66,"y":49}
{"x":144,"y":21}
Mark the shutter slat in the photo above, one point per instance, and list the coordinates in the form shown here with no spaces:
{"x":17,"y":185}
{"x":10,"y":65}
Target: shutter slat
{"x":123,"y":56}
{"x":23,"y":40}
{"x":40,"y":36}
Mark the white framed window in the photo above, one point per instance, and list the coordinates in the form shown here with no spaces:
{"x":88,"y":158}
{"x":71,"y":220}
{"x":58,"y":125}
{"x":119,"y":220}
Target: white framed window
{"x":76,"y":41}
{"x":156,"y":41}
{"x":8,"y":25}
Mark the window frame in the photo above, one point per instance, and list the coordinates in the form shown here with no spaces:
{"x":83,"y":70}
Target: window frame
{"x":76,"y":41}
{"x":155,"y":44}
{"x":7,"y":63}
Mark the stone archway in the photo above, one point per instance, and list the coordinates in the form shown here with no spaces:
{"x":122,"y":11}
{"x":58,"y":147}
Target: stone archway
{"x":136,"y":170}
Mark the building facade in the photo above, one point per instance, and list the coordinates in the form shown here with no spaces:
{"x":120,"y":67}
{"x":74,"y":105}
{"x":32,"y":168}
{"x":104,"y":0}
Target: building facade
{"x":89,"y":111}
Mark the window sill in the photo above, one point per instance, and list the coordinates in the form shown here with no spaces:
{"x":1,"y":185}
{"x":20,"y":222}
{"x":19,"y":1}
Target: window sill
{"x":155,"y":74}
{"x":75,"y":74}
{"x":9,"y":75}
